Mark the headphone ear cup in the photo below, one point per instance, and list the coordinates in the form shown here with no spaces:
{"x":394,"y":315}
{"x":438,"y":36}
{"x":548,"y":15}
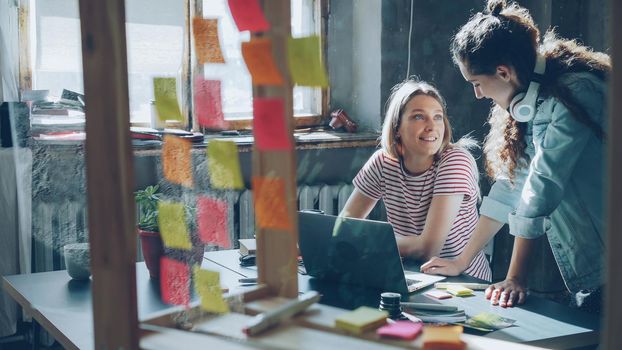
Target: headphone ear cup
{"x":521,"y":109}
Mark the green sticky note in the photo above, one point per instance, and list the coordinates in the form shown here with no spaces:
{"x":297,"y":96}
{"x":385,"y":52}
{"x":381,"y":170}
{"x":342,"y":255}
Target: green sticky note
{"x":172,"y":221}
{"x":223,"y":164}
{"x":207,"y":284}
{"x":305,"y":61}
{"x":165,"y":93}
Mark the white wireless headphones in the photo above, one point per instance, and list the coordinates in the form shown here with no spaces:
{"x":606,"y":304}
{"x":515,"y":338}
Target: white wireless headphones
{"x":523,"y":106}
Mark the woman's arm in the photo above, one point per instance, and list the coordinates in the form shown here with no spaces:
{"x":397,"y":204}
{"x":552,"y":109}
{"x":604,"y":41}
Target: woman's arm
{"x":441,"y":216}
{"x":358,"y":205}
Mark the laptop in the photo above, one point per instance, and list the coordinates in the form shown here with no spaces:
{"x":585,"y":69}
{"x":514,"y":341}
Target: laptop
{"x":356,"y":251}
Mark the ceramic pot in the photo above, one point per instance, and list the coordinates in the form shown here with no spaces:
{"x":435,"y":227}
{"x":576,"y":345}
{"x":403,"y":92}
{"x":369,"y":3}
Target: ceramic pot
{"x":153,"y":249}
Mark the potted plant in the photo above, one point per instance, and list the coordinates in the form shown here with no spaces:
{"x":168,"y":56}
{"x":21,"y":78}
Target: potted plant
{"x":148,"y":229}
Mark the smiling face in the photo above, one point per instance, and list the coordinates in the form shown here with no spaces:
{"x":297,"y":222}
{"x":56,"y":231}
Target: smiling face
{"x":422,"y":127}
{"x":499,"y":87}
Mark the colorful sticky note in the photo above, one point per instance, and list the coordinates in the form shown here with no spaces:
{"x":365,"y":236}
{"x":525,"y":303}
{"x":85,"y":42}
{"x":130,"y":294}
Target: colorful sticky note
{"x":177,"y":160}
{"x":208,"y":103}
{"x":207,"y":284}
{"x":212,"y":221}
{"x":257,"y":54}
{"x":270,"y":205}
{"x":401,"y":330}
{"x":206,"y":40}
{"x":361,"y":320}
{"x":174,"y":282}
{"x":269,"y":125}
{"x":172,"y":222}
{"x":305,"y":61}
{"x":443,"y":337}
{"x":248,"y":15}
{"x":165,"y":93}
{"x":223,"y":164}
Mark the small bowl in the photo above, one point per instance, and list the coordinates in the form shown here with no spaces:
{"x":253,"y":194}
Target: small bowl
{"x":78,"y":260}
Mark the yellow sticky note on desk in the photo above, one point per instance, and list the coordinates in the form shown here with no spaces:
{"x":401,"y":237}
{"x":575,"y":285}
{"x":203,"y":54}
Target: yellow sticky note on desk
{"x":305,"y":61}
{"x":172,"y":221}
{"x":361,"y":320}
{"x":207,"y":284}
{"x":442,"y":337}
{"x":459,"y":291}
{"x":165,"y":94}
{"x":224,"y":165}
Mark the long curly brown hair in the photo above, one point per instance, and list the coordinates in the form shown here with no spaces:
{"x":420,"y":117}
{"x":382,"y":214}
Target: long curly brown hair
{"x":505,"y":34}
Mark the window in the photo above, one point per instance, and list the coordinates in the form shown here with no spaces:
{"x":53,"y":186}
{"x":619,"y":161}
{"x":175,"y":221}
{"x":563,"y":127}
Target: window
{"x":155,"y":47}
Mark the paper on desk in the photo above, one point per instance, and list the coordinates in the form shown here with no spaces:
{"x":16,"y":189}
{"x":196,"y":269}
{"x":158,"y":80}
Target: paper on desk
{"x":248,"y":15}
{"x":206,"y":40}
{"x":165,"y":93}
{"x":257,"y":55}
{"x":174,"y":282}
{"x":207,"y":284}
{"x":177,"y":161}
{"x":270,"y":207}
{"x":212,"y":221}
{"x":208,"y":103}
{"x":488,"y":322}
{"x":223,"y":164}
{"x":305,"y":61}
{"x":269,"y":125}
{"x":172,"y":221}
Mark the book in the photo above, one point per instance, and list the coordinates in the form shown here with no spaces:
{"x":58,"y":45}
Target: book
{"x":247,"y":246}
{"x":361,"y":320}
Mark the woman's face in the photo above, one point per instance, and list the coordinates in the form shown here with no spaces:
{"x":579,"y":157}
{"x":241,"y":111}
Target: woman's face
{"x":499,"y":87}
{"x":422,"y":128}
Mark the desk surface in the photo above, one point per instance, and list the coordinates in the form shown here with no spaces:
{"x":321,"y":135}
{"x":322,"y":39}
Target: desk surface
{"x":539,"y":322}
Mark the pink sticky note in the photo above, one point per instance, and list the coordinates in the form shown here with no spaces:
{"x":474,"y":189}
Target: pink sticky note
{"x":174,"y":282}
{"x":212,"y":219}
{"x":208,"y":103}
{"x":269,"y":126}
{"x":401,"y":330}
{"x":248,"y":15}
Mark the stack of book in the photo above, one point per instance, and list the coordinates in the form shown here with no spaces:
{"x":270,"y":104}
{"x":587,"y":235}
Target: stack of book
{"x":247,"y":246}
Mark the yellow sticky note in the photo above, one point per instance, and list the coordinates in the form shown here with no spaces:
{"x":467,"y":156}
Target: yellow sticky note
{"x":445,"y":337}
{"x":361,"y":320}
{"x":177,"y":160}
{"x":257,"y":55}
{"x":459,"y":291}
{"x":165,"y":93}
{"x":305,"y":62}
{"x":270,"y":206}
{"x":223,"y":164}
{"x":172,"y":221}
{"x":206,"y":40}
{"x":207,"y":284}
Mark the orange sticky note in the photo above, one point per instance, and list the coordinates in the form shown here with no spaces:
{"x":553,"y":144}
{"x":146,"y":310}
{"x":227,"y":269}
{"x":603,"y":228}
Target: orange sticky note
{"x":213,"y":220}
{"x":207,"y":284}
{"x":305,"y":61}
{"x":269,"y":126}
{"x":206,"y":40}
{"x":208,"y":103}
{"x":172,"y":222}
{"x":248,"y":15}
{"x":257,"y":54}
{"x":177,"y":160}
{"x":174,"y":282}
{"x":270,"y":206}
{"x":165,"y":94}
{"x":223,"y":164}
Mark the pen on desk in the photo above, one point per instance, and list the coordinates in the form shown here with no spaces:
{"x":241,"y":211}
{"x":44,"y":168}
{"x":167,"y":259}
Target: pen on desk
{"x":429,"y":306}
{"x":281,"y":313}
{"x":248,"y":280}
{"x":473,"y":286}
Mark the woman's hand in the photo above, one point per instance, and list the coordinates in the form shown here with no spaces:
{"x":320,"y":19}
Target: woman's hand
{"x":507,"y":293}
{"x":442,"y":266}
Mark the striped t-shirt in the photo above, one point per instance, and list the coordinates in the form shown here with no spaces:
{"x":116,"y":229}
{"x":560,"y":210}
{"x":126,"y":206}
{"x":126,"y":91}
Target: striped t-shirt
{"x":407,"y":198}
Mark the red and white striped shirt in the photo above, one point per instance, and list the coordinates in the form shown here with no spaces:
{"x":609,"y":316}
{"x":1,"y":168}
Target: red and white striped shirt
{"x":407,"y":198}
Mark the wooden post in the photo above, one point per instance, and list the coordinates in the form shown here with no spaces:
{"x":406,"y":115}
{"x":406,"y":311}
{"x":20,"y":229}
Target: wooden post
{"x":109,"y":173}
{"x":25,"y":66}
{"x":277,"y":251}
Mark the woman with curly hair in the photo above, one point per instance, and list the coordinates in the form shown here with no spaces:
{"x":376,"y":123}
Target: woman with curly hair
{"x":545,"y":150}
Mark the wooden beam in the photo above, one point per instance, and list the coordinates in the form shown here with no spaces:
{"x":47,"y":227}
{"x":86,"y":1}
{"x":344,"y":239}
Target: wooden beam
{"x":25,"y":66}
{"x":276,"y":249}
{"x":109,"y":171}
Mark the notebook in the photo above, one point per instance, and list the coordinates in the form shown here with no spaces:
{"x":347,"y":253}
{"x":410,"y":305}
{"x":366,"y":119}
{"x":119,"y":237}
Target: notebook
{"x":356,"y":251}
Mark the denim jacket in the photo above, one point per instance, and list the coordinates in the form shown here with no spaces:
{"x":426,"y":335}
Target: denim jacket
{"x":560,"y":193}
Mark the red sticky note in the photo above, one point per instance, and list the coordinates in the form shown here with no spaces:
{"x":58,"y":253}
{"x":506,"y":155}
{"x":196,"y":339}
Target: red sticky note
{"x":270,"y":203}
{"x":248,"y":15}
{"x":208,"y":103}
{"x":269,"y":126}
{"x":212,"y":221}
{"x":174,"y":282}
{"x":401,"y":330}
{"x":257,"y":55}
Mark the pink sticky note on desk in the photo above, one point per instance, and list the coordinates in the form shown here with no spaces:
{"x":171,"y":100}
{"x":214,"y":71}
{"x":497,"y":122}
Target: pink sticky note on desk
{"x":174,"y":282}
{"x":401,"y":330}
{"x":269,"y":125}
{"x":248,"y":15}
{"x":212,"y":220}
